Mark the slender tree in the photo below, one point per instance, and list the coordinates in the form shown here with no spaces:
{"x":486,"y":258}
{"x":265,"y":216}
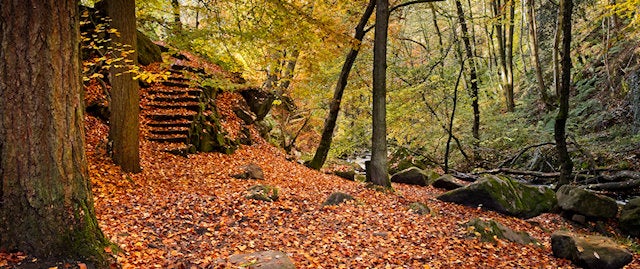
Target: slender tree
{"x":378,"y":170}
{"x":330,"y":123}
{"x":505,"y":13}
{"x":534,"y":47}
{"x":46,"y":205}
{"x":560,"y":136}
{"x":125,"y":99}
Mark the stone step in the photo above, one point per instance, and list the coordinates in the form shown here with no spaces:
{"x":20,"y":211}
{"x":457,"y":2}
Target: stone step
{"x":170,"y":123}
{"x":171,"y":114}
{"x":171,"y":83}
{"x":168,"y":138}
{"x":191,"y":69}
{"x":170,"y":130}
{"x":174,"y":98}
{"x":192,"y":106}
{"x":177,"y":91}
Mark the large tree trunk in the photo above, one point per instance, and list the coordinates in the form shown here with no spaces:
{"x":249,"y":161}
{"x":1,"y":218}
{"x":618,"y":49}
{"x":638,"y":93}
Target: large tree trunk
{"x":566,"y":7}
{"x":334,"y":108}
{"x":504,"y":34}
{"x":46,"y":205}
{"x":378,"y":168}
{"x":125,"y":99}
{"x":473,"y":77}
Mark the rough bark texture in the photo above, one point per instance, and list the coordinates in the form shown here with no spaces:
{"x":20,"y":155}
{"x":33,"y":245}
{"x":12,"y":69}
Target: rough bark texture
{"x":125,"y":99}
{"x":566,"y":7}
{"x":330,"y":123}
{"x":378,"y":169}
{"x":504,"y":33}
{"x":534,"y":47}
{"x":46,"y":205}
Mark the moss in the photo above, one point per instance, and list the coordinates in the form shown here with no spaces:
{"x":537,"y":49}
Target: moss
{"x":89,"y":242}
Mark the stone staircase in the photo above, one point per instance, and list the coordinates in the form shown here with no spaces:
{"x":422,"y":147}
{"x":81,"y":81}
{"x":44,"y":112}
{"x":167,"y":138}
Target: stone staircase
{"x":170,"y":107}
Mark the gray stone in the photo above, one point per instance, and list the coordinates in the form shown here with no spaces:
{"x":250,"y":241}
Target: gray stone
{"x":411,"y":176}
{"x":504,"y":195}
{"x":589,"y":251}
{"x":630,"y":217}
{"x":584,"y":202}
{"x":250,"y":171}
{"x":419,"y":208}
{"x":263,"y":193}
{"x":489,"y":230}
{"x":337,"y":198}
{"x":262,"y":260}
{"x":448,"y":182}
{"x":148,"y":52}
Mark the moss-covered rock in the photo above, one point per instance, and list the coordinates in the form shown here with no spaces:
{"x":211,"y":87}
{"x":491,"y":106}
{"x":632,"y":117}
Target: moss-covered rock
{"x":419,"y":208}
{"x":584,"y":202}
{"x":148,"y":52}
{"x":630,"y":218}
{"x":448,"y":182}
{"x":411,"y":176}
{"x":337,"y":198}
{"x":206,"y":133}
{"x":504,"y":195}
{"x":589,"y":251}
{"x":263,"y":193}
{"x":490,"y":230}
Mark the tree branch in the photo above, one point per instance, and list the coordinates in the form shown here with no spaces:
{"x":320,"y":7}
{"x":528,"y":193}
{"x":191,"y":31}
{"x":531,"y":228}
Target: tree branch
{"x":411,"y":3}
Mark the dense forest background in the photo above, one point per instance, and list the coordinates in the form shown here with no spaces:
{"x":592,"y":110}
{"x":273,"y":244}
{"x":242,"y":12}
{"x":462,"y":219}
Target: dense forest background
{"x":296,"y":49}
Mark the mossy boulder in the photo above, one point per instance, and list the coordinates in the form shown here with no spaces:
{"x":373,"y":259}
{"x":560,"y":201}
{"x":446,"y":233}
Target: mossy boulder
{"x":504,"y":195}
{"x":490,"y":230}
{"x":419,"y":208}
{"x":589,"y":251}
{"x":630,"y":218}
{"x":586,"y":203}
{"x":259,"y":101}
{"x":337,"y":198}
{"x":411,"y":176}
{"x":263,"y":193}
{"x":263,"y":260}
{"x":250,"y":171}
{"x":448,"y":182}
{"x":148,"y":52}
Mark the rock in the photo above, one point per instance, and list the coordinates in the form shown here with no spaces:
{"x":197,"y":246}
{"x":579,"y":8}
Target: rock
{"x":586,"y":203}
{"x":259,"y":102}
{"x":589,"y":251}
{"x":263,"y":193}
{"x":419,"y":208}
{"x":245,"y":115}
{"x":250,"y":171}
{"x":337,"y":198}
{"x":489,"y":230}
{"x":411,"y":176}
{"x":148,"y":52}
{"x":349,"y":174}
{"x":504,"y":195}
{"x":262,"y":260}
{"x":630,"y":217}
{"x":448,"y":182}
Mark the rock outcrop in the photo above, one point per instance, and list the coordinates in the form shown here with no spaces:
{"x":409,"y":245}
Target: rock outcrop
{"x":595,"y":252}
{"x":580,"y":201}
{"x":504,"y":195}
{"x":630,"y":218}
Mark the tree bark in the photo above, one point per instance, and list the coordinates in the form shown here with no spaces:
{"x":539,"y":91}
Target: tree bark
{"x":473,"y":79}
{"x":125,"y":99}
{"x":533,"y":45}
{"x":378,"y":169}
{"x":504,"y":34}
{"x":566,"y":7}
{"x":334,"y":108}
{"x":46,"y":205}
{"x":177,"y":24}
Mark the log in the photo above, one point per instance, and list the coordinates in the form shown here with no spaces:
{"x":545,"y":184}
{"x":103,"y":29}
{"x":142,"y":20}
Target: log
{"x":519,"y":172}
{"x":614,"y":186}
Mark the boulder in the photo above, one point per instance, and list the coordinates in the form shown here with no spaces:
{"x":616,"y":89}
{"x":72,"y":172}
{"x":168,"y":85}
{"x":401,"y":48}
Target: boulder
{"x":489,"y":230}
{"x":630,"y":218}
{"x":148,"y":52}
{"x":337,"y":198}
{"x":448,"y":182}
{"x":263,"y":193}
{"x":349,"y":174}
{"x":504,"y":195}
{"x":419,"y":208}
{"x":586,"y":203}
{"x":411,"y":176}
{"x":262,"y":260}
{"x":250,"y":171}
{"x":589,"y":251}
{"x":259,"y":102}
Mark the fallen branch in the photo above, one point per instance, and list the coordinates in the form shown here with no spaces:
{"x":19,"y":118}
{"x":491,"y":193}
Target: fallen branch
{"x":519,"y":172}
{"x":515,"y":157}
{"x":614,"y":186}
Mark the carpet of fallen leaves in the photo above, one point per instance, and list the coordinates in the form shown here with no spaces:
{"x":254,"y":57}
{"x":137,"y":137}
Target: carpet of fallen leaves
{"x":189,"y":212}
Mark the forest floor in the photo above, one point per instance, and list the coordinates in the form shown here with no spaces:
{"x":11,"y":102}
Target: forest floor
{"x":181,"y":212}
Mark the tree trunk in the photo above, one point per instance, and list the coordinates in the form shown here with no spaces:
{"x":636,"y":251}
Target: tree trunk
{"x":177,"y":24}
{"x":533,"y":45}
{"x":473,"y":77}
{"x":566,"y":7}
{"x":46,"y":205}
{"x":125,"y":100}
{"x":504,"y":34}
{"x":378,"y":170}
{"x":330,"y":123}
